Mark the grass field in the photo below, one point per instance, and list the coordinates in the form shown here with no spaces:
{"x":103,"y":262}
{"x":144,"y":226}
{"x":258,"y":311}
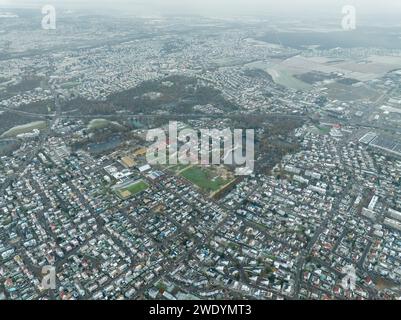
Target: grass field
{"x":102,"y":123}
{"x":344,"y":92}
{"x":205,"y":178}
{"x":26,"y":128}
{"x":323,"y":130}
{"x":132,"y":189}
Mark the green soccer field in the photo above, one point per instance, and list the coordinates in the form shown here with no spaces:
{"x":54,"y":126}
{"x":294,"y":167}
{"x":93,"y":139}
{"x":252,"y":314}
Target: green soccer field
{"x":138,"y":187}
{"x":132,"y":189}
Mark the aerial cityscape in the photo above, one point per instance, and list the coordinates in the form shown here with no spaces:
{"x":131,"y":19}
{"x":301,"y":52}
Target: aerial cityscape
{"x":303,"y":203}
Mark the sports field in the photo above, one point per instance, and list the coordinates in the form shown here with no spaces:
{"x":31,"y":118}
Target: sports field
{"x":132,"y":189}
{"x":206,"y":179}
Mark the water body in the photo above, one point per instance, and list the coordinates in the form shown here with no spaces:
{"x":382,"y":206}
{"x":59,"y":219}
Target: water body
{"x":8,"y":146}
{"x":104,"y":146}
{"x":286,"y":79}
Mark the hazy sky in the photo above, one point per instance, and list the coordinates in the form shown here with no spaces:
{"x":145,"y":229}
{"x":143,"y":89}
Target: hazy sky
{"x":225,"y":7}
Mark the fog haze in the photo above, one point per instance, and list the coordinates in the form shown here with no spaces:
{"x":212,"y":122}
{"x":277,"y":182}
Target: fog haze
{"x":374,"y":12}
